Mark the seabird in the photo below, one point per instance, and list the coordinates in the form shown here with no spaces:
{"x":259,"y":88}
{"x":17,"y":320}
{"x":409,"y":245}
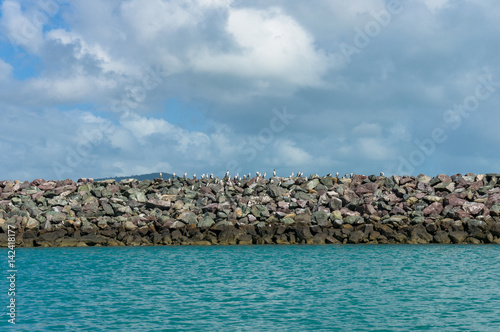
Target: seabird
{"x":161,"y":175}
{"x":173,"y":176}
{"x":194,"y":176}
{"x":381,"y":173}
{"x":337,"y":175}
{"x":274,"y":172}
{"x":185,"y":174}
{"x":264,"y":175}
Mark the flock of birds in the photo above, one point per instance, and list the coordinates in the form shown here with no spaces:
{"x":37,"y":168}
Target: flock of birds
{"x":237,"y":178}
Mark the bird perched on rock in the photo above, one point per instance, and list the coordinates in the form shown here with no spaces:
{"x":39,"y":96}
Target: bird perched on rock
{"x":274,"y":172}
{"x":337,"y":175}
{"x":381,"y":173}
{"x":194,"y":176}
{"x":161,"y":175}
{"x":185,"y":174}
{"x":173,"y":176}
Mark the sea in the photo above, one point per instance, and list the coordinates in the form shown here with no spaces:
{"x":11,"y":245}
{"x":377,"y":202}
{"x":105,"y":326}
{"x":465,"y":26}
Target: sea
{"x":255,"y":288}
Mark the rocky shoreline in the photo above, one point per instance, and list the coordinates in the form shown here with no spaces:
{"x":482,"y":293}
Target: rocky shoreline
{"x":294,"y":210}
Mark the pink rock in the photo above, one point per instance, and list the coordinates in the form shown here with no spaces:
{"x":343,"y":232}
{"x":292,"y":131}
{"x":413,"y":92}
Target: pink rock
{"x":16,"y":187}
{"x":47,"y":186}
{"x":369,"y":209}
{"x":357,"y":179}
{"x":349,"y":196}
{"x":454,"y":201}
{"x":283,"y":204}
{"x":493,"y":199}
{"x":38,"y":194}
{"x":37,"y":182}
{"x":473,"y":208}
{"x":461,"y":214}
{"x":444,"y":178}
{"x":476,"y":185}
{"x":346,"y":212}
{"x":60,"y":190}
{"x":302,"y":203}
{"x":5,"y":195}
{"x":406,"y":180}
{"x":366,"y":188}
{"x":434,"y":209}
{"x":397,"y":211}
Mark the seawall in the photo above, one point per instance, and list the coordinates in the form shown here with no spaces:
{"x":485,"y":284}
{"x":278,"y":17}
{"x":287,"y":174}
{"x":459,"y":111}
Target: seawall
{"x":315,"y":210}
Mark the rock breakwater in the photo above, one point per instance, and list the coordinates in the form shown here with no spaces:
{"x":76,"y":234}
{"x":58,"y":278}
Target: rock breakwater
{"x":295,"y":210}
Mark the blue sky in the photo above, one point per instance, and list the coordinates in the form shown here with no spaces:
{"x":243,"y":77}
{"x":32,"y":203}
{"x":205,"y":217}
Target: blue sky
{"x":110,"y":88}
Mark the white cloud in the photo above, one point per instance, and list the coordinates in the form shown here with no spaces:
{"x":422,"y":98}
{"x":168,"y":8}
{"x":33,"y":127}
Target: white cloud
{"x":435,"y":5}
{"x":5,"y":70}
{"x":22,"y":28}
{"x":82,"y":48}
{"x":231,"y":63}
{"x":374,"y":149}
{"x":152,"y":18}
{"x":276,"y":47}
{"x":183,"y":140}
{"x":288,"y":154}
{"x":367,"y":129}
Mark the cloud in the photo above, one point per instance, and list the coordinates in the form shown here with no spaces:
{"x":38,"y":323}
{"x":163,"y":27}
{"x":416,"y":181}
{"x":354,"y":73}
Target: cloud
{"x":227,"y":65}
{"x":435,"y":5}
{"x":22,"y":28}
{"x":367,"y":129}
{"x":5,"y":70}
{"x":275,"y":48}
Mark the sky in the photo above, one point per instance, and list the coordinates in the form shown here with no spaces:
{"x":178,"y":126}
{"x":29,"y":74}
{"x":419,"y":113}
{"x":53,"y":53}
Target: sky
{"x":92,"y":88}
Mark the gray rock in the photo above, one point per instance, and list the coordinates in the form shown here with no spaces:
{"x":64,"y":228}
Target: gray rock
{"x":129,"y":226}
{"x":188,"y":217}
{"x":319,"y":216}
{"x":206,"y":222}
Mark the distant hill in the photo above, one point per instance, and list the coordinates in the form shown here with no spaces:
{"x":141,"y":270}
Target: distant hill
{"x":150,"y":176}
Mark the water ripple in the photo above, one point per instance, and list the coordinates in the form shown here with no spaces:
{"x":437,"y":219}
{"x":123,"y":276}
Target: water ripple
{"x":259,"y":288}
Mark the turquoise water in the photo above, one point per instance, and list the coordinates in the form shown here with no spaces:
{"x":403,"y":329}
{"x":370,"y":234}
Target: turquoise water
{"x":257,"y":288}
